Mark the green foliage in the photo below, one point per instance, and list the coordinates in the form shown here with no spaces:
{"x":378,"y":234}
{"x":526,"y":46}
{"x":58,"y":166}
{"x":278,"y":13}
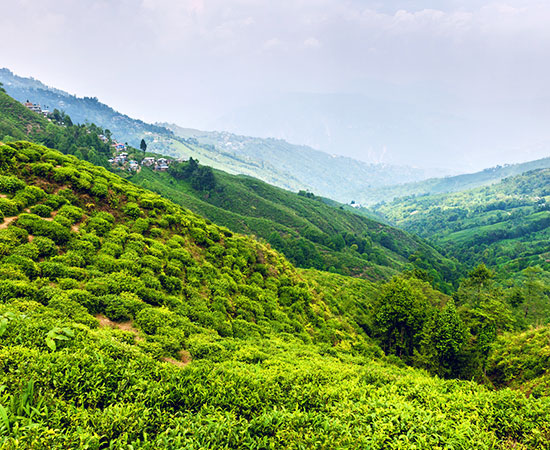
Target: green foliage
{"x":504,"y":225}
{"x":58,"y":334}
{"x":402,"y":310}
{"x":203,"y":338}
{"x":305,"y":228}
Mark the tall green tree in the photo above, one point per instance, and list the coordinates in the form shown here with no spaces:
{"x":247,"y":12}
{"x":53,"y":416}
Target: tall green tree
{"x":401,"y":312}
{"x":444,"y":338}
{"x":143,"y":145}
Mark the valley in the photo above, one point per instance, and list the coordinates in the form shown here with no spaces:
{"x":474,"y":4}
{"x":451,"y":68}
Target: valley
{"x":189,"y":307}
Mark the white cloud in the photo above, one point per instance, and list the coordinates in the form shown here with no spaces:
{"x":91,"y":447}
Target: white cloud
{"x":312,"y":42}
{"x":210,"y":56}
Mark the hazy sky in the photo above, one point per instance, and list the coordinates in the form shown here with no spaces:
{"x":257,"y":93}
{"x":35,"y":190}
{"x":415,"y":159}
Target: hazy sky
{"x":470,"y":76}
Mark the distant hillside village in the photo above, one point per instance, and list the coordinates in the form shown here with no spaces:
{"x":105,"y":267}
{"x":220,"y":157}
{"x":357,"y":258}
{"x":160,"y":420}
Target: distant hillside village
{"x":121,"y":161}
{"x":37,"y":108}
{"x":120,"y":155}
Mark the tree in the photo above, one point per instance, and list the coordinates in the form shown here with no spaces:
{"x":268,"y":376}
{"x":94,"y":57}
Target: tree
{"x":485,"y":313}
{"x":444,"y":338}
{"x":401,"y":312}
{"x":143,"y":145}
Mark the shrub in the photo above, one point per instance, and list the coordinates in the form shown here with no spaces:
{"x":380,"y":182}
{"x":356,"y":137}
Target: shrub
{"x":132,"y":210}
{"x":8,"y":207}
{"x":37,"y":226}
{"x":46,"y":246}
{"x":150,"y":319}
{"x":41,"y":210}
{"x":10,"y":184}
{"x":73,"y":213}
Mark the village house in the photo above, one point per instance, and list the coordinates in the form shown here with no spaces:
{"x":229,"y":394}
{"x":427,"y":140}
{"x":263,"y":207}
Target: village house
{"x":148,"y":161}
{"x":162,"y":165}
{"x":119,"y":147}
{"x":33,"y":107}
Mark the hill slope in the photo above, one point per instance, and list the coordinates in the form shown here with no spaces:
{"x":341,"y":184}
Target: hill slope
{"x":505,"y":225}
{"x":277,"y":162}
{"x":296,"y":166}
{"x":129,"y":321}
{"x":86,"y":110}
{"x":307,"y":230}
{"x":456,"y":183}
{"x":304,"y":227}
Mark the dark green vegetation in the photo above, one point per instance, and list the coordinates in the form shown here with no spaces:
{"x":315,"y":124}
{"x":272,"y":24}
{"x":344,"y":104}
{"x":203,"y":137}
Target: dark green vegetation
{"x":84,"y":110}
{"x":302,"y":226}
{"x":280,"y":357}
{"x":445,"y":185}
{"x":127,"y":321}
{"x":506,"y":225}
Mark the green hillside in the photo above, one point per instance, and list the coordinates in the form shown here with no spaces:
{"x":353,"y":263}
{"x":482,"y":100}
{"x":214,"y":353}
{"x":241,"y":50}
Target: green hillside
{"x":505,"y":225}
{"x":85,"y":110}
{"x":522,"y":361}
{"x":292,"y":166}
{"x":304,"y":227}
{"x":129,"y":322}
{"x":17,"y":121}
{"x":445,"y":185}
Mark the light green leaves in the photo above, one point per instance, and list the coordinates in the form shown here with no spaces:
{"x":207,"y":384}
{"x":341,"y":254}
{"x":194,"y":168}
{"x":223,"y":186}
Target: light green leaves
{"x":58,"y":334}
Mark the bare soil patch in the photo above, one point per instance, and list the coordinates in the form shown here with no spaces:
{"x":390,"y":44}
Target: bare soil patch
{"x":184,"y":359}
{"x":105,"y":322}
{"x":7,"y":221}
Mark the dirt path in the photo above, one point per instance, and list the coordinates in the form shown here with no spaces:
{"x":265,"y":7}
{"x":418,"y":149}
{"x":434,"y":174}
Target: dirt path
{"x":7,"y":221}
{"x":105,"y":322}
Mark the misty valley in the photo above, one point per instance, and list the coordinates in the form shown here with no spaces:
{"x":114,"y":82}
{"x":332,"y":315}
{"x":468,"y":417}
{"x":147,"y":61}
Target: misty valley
{"x":165,"y":287}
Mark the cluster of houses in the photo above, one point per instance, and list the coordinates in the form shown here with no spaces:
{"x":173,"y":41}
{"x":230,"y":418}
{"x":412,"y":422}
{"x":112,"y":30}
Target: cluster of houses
{"x":121,"y":156}
{"x":36,"y":108}
{"x":160,"y":164}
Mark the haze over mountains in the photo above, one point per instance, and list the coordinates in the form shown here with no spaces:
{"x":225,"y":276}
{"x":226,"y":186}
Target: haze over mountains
{"x":276,"y":161}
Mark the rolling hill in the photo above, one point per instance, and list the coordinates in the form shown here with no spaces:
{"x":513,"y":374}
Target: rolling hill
{"x":304,"y":227}
{"x":450,"y":184}
{"x":295,"y":167}
{"x":274,"y":161}
{"x":505,"y":225}
{"x":310,"y":231}
{"x":127,"y":320}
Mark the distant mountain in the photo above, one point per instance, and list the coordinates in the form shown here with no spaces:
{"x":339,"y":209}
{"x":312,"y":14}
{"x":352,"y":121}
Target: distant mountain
{"x":421,"y":125}
{"x":295,"y":166}
{"x":86,"y":109}
{"x":505,"y":225}
{"x":450,"y":184}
